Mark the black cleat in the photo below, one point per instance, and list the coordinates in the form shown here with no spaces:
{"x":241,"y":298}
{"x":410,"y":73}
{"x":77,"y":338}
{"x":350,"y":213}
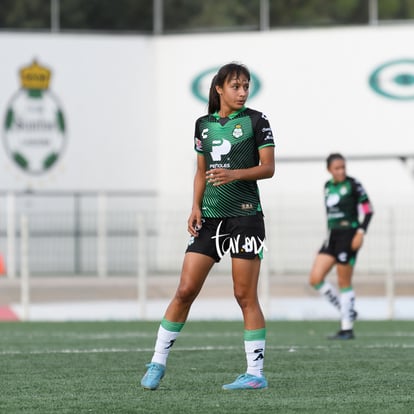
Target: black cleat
{"x":343,"y":335}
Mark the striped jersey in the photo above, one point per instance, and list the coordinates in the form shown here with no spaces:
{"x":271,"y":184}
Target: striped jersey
{"x":342,"y":200}
{"x":232,"y":143}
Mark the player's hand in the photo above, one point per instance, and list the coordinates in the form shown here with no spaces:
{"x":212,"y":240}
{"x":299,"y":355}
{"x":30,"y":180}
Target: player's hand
{"x":357,"y":240}
{"x":194,"y":222}
{"x":220,"y":176}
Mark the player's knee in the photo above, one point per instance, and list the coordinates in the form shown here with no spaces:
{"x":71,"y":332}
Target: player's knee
{"x":238,"y":296}
{"x":186,"y":294}
{"x":244,"y":299}
{"x":315,"y":279}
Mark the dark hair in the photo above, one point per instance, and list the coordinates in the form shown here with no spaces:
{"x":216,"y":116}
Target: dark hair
{"x":224,"y":73}
{"x":333,"y":157}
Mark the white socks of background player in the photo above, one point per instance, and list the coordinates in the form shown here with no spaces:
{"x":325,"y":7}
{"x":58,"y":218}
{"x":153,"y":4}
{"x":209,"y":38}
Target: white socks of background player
{"x":254,"y":345}
{"x":343,"y":301}
{"x":167,"y":334}
{"x":347,"y":298}
{"x":329,"y":292}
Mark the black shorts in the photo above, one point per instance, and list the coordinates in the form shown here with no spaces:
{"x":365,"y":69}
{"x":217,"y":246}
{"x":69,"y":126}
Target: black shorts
{"x":338,"y":245}
{"x":242,"y":237}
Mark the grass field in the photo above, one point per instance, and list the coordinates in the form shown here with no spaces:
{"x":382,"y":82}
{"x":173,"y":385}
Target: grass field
{"x":96,"y":368}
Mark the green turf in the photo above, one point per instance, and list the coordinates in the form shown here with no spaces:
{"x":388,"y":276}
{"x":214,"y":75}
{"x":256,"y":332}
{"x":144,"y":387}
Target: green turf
{"x":96,"y":368}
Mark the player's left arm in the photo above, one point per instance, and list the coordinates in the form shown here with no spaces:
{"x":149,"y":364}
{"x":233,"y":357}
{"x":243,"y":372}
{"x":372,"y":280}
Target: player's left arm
{"x":365,"y":207}
{"x":265,"y":169}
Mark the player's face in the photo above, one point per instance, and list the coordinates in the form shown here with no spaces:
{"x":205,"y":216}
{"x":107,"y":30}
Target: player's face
{"x":338,"y":170}
{"x":233,"y":94}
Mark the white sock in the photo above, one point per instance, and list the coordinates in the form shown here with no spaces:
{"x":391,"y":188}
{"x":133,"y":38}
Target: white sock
{"x":255,"y":357}
{"x":347,"y":298}
{"x":165,"y":341}
{"x":328,"y":291}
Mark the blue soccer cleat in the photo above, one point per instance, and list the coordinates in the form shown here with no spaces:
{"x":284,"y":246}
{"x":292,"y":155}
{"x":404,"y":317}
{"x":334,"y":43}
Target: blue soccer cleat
{"x":247,"y":382}
{"x":152,"y":378}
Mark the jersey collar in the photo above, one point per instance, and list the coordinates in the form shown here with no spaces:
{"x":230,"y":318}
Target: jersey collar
{"x":232,"y":115}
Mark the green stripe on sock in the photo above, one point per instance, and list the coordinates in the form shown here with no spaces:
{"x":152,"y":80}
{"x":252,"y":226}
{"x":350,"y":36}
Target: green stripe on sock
{"x":255,"y":335}
{"x":319,"y":285}
{"x":347,"y":289}
{"x":172,"y":326}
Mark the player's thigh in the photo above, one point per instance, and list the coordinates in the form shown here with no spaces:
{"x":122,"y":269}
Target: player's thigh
{"x":344,"y":274}
{"x":245,"y":274}
{"x":196,"y":267}
{"x":322,"y":264}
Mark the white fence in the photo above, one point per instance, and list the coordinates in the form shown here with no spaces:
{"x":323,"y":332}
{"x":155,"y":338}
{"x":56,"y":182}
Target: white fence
{"x":104,"y":240}
{"x":150,"y":243}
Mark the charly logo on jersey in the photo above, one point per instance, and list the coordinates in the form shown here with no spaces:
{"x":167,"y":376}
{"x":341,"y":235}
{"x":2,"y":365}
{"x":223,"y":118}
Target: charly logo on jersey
{"x":237,"y":131}
{"x":200,"y":85}
{"x":34,"y":127}
{"x":394,"y":79}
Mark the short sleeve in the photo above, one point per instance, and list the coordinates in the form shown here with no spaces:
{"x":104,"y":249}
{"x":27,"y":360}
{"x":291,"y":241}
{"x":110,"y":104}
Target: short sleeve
{"x":263,"y":132}
{"x":198,"y":143}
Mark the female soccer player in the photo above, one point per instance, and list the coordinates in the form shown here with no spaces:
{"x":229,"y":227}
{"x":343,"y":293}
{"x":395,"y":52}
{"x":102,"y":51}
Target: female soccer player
{"x":345,"y":200}
{"x":235,"y":148}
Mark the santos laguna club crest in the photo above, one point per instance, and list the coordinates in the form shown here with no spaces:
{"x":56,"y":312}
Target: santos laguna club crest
{"x":34,"y":127}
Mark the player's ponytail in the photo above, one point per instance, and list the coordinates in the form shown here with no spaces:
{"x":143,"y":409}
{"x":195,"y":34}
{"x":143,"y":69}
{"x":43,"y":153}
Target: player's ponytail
{"x":223,"y":75}
{"x":213,"y":97}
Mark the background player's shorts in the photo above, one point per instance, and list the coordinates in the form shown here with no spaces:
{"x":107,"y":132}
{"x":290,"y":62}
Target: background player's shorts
{"x":338,"y":245}
{"x":241,"y":237}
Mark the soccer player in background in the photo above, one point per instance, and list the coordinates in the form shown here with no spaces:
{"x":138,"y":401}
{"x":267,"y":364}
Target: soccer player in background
{"x":346,"y":201}
{"x":235,"y":148}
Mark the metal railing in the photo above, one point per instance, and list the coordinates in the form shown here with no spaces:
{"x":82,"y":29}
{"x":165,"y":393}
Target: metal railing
{"x":110,"y":235}
{"x":97,"y":234}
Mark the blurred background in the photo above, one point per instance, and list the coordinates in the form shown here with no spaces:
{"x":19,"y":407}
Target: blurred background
{"x":186,"y":16}
{"x":98,"y":101}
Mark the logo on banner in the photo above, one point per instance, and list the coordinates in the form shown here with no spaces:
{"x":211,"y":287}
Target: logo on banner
{"x":34,"y":126}
{"x":394,"y":79}
{"x":200,"y":86}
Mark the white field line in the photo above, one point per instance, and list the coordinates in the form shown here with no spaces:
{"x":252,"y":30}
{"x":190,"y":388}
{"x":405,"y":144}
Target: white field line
{"x":138,"y":335}
{"x":122,"y":335}
{"x":292,"y":348}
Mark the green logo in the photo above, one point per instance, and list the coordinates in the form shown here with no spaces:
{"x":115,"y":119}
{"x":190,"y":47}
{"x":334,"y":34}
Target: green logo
{"x":394,"y":80}
{"x":201,"y":84}
{"x":34,"y":125}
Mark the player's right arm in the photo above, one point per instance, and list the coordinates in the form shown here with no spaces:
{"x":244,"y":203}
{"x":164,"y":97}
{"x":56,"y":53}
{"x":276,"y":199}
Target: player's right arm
{"x":194,"y":221}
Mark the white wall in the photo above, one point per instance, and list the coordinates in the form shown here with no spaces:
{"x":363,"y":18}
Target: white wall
{"x":130,"y":110}
{"x":105,"y":88}
{"x":316,"y":93}
{"x":130,"y":115}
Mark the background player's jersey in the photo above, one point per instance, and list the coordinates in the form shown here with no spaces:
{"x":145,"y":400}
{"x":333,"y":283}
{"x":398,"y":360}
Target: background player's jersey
{"x":232,"y":143}
{"x":342,"y":200}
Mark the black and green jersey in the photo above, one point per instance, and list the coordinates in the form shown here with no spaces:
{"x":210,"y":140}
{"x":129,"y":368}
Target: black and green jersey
{"x":342,"y":200}
{"x":232,"y":143}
